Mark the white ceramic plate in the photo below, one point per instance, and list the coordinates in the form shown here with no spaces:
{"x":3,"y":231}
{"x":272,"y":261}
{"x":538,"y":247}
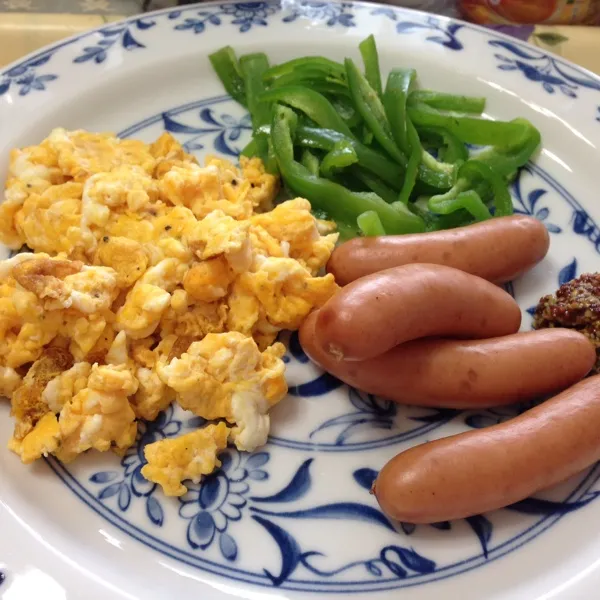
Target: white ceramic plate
{"x":295,"y":520}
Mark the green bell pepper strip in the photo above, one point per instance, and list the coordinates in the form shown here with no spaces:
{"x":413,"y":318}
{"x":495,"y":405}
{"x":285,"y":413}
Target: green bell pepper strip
{"x":370,"y":224}
{"x":416,"y":154}
{"x":376,"y":185}
{"x":252,"y":67}
{"x":342,"y":155}
{"x":507,"y":161}
{"x":310,"y":162}
{"x":368,"y":104}
{"x":441,"y":101}
{"x":314,"y":80}
{"x":490,"y":170}
{"x":392,"y":173}
{"x":370,"y":56}
{"x":379,"y":164}
{"x":250,"y":149}
{"x":474,"y":169}
{"x":313,"y":104}
{"x":470,"y":130}
{"x":434,"y":222}
{"x":469,"y":200}
{"x":325,"y":66}
{"x":450,"y":149}
{"x":397,"y":88}
{"x":328,"y":87}
{"x":345,"y":109}
{"x":366,"y":135}
{"x":421,"y":164}
{"x":225,"y":64}
{"x":338,"y":202}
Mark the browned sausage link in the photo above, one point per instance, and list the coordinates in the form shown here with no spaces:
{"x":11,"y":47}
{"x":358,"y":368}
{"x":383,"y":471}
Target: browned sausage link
{"x":479,"y":471}
{"x":464,"y":374}
{"x":377,"y":312}
{"x":498,"y":250}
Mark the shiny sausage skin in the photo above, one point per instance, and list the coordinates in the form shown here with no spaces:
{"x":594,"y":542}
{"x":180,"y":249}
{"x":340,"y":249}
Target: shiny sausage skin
{"x":376,"y":313}
{"x":498,"y":250}
{"x":464,"y":374}
{"x":483,"y":470}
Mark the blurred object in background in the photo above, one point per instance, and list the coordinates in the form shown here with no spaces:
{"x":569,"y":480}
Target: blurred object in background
{"x":487,"y":12}
{"x":439,"y":7}
{"x":569,"y":12}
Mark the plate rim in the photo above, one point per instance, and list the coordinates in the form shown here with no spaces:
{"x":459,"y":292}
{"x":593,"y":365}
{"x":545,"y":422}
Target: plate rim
{"x":284,"y":4}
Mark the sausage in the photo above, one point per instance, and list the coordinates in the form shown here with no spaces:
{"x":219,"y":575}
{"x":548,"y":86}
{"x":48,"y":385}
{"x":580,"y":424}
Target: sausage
{"x":464,"y":374}
{"x":483,"y":470}
{"x":498,"y":250}
{"x":380,"y":311}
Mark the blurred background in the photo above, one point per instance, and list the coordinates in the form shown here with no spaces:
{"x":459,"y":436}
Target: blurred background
{"x":575,"y":12}
{"x":569,"y":28}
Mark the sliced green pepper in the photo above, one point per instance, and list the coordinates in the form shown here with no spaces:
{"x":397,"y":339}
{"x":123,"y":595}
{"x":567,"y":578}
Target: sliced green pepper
{"x":370,"y":56}
{"x":416,"y":154}
{"x":320,"y":64}
{"x":462,"y":104}
{"x":310,"y":161}
{"x":507,"y":161}
{"x":313,"y":104}
{"x":342,"y":155}
{"x":370,"y":224}
{"x":397,"y":88}
{"x":225,"y":64}
{"x":469,"y":200}
{"x":470,"y":130}
{"x":376,"y":185}
{"x":450,"y":149}
{"x":368,"y":104}
{"x":337,"y":201}
{"x":252,"y":67}
{"x":379,"y":164}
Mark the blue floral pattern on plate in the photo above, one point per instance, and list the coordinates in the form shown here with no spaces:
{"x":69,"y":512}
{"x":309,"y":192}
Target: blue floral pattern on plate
{"x":542,"y":68}
{"x":331,"y":14}
{"x":221,"y":129}
{"x":25,"y":76}
{"x":444,"y":32}
{"x":243,"y":15}
{"x":122,"y":35}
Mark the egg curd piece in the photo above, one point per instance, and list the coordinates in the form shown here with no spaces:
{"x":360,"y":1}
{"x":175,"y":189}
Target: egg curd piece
{"x":278,"y":293}
{"x":226,"y":376}
{"x":294,"y":227}
{"x":99,"y":416}
{"x":65,"y":284}
{"x":189,"y":456}
{"x":50,"y":221}
{"x":10,"y":380}
{"x":220,"y":235}
{"x":42,"y":440}
{"x":27,"y":403}
{"x":81,"y":154}
{"x":149,"y":298}
{"x":126,"y":257}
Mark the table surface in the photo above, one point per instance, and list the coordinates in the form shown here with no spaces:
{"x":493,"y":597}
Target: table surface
{"x":22,"y":33}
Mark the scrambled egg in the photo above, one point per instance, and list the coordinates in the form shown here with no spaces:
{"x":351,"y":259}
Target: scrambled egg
{"x":151,"y":279}
{"x":226,"y":376}
{"x":188,"y":456}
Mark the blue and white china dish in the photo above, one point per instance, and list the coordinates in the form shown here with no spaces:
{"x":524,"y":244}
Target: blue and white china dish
{"x":296,"y":519}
